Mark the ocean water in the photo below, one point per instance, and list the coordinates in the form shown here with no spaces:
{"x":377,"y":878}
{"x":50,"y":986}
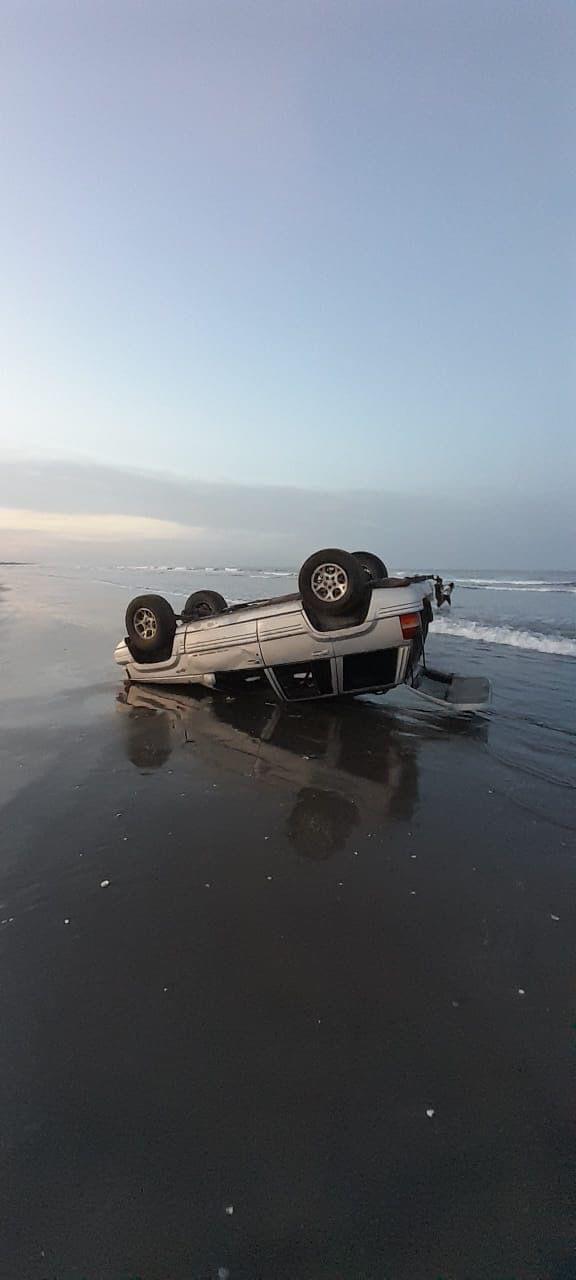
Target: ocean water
{"x":528,"y":611}
{"x":533,"y":611}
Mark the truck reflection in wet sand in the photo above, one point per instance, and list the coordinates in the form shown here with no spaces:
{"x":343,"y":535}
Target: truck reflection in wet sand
{"x":343,"y":762}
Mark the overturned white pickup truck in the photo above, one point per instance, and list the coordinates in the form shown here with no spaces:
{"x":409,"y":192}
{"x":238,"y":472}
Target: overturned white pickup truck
{"x":349,"y":629}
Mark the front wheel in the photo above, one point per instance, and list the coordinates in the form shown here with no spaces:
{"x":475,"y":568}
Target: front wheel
{"x":332,"y":582}
{"x":202,"y":604}
{"x":150,"y":623}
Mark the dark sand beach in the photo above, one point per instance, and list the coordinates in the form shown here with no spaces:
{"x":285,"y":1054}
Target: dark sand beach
{"x":285,"y":994}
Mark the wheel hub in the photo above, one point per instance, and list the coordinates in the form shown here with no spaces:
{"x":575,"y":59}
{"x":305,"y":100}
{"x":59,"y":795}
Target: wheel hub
{"x":145,"y":624}
{"x":329,"y":582}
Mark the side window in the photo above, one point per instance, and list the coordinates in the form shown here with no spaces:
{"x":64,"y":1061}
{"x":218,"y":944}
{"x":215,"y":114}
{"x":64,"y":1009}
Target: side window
{"x":305,"y":679}
{"x":371,"y":670}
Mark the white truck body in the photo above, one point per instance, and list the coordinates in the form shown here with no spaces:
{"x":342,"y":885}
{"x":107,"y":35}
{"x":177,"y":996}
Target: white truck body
{"x":274,"y":643}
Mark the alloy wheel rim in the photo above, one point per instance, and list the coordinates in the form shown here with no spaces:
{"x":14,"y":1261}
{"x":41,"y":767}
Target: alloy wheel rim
{"x":329,"y":582}
{"x":145,"y":624}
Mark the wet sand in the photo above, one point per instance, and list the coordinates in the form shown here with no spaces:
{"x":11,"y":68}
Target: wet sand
{"x":284,"y":993}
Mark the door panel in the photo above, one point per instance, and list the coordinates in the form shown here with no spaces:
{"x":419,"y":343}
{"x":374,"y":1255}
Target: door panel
{"x":224,"y":644}
{"x":383,"y":633}
{"x":286,"y":638}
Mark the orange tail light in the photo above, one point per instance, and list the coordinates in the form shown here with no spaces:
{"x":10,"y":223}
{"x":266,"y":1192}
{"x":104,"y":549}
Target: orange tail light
{"x":411,"y":624}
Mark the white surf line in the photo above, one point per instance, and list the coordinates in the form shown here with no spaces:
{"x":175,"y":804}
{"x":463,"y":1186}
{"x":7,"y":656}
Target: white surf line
{"x":512,"y":636}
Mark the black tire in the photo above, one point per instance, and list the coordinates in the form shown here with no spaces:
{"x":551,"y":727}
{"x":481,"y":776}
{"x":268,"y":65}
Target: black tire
{"x":202,"y":604}
{"x":332,"y":582}
{"x":150,"y":623}
{"x":373,"y":566}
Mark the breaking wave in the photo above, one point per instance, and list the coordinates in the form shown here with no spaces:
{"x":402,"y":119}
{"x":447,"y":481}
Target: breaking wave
{"x":566,"y":585}
{"x":517,"y":584}
{"x":207,"y":568}
{"x":518,"y":639}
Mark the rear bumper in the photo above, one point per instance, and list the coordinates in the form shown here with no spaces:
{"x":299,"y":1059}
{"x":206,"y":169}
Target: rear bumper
{"x":456,"y":693}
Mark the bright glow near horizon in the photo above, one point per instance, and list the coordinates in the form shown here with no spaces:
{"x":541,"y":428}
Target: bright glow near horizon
{"x":101,"y":528}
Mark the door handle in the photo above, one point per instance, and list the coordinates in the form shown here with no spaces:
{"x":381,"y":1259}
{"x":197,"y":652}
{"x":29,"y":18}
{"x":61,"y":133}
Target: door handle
{"x":320,"y":653}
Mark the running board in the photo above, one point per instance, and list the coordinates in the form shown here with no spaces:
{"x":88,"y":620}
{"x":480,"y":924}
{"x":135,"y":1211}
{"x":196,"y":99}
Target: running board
{"x":457,"y":693}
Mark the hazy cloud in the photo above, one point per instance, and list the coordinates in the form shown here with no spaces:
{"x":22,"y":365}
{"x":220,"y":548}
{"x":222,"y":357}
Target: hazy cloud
{"x":269,"y":525}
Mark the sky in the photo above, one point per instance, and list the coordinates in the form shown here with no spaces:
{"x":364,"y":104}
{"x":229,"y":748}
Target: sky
{"x":278,"y":272}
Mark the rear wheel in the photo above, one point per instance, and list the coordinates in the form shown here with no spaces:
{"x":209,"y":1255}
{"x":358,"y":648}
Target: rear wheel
{"x":150,"y":623}
{"x":202,"y":604}
{"x":372,"y":565}
{"x":332,"y":582}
